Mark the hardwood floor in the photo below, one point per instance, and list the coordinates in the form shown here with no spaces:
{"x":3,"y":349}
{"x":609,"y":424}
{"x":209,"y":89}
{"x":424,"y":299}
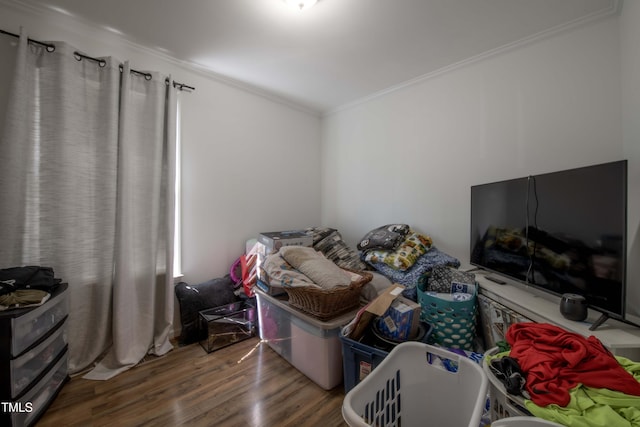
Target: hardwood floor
{"x":245,"y":384}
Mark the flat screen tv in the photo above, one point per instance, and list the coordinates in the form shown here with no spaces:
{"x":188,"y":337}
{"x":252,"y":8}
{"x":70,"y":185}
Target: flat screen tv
{"x":560,"y":232}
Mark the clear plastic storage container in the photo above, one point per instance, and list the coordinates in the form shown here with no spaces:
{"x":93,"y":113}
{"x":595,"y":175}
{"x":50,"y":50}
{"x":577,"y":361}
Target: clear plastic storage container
{"x":26,"y":368}
{"x":310,"y":345}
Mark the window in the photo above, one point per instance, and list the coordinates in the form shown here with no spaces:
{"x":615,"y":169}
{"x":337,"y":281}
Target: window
{"x":177,"y":235}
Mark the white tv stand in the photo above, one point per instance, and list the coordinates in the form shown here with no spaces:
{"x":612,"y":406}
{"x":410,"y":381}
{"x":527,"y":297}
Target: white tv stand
{"x":621,"y":338}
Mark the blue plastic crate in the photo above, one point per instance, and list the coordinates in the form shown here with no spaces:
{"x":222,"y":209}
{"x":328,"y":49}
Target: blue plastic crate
{"x":359,"y":359}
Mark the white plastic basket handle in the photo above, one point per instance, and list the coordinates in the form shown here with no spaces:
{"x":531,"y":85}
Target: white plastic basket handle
{"x":444,"y":355}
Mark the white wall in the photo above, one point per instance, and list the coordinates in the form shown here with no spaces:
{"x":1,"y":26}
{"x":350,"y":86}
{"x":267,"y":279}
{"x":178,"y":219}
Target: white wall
{"x":411,"y":155}
{"x":630,"y":54}
{"x":249,"y":165}
{"x":249,"y":161}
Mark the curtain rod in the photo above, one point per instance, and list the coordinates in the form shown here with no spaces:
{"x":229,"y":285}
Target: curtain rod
{"x":101,"y":62}
{"x":50,"y":47}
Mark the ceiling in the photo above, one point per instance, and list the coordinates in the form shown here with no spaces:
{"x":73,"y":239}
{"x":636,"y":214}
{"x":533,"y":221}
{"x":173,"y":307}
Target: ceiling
{"x":339,"y":51}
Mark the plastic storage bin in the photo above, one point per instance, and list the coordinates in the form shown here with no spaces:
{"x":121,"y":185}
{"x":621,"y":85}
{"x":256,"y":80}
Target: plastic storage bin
{"x":21,"y":372}
{"x":406,"y":389}
{"x":360,"y":358}
{"x":37,"y":399}
{"x":27,"y":329}
{"x":310,"y":345}
{"x":33,"y":358}
{"x":227,"y":324}
{"x":503,"y":404}
{"x":274,"y":324}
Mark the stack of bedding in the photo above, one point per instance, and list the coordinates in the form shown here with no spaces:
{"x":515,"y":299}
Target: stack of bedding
{"x":313,"y":283}
{"x":402,"y":254}
{"x":298,"y":266}
{"x":329,"y":241}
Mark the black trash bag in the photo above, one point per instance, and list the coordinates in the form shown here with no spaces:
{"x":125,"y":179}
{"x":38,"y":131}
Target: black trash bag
{"x":195,"y":298}
{"x":28,"y":277}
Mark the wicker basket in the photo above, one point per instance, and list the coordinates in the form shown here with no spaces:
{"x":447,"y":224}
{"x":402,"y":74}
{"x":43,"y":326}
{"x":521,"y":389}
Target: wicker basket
{"x":325,"y":304}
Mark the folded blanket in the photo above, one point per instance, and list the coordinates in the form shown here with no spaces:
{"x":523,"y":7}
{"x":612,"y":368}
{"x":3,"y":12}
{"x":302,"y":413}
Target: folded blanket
{"x":282,"y":274}
{"x":404,"y":256}
{"x":419,"y":271}
{"x":322,"y":271}
{"x":329,"y":242}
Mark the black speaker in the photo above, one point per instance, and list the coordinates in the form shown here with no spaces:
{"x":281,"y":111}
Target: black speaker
{"x":573,"y":307}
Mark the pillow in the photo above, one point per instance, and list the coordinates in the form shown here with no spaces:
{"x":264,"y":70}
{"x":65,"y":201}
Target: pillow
{"x":413,"y":247}
{"x":195,"y":298}
{"x":378,"y":284}
{"x":298,"y":255}
{"x":387,"y":237}
{"x":315,"y":266}
{"x":281,"y":273}
{"x":325,"y":273}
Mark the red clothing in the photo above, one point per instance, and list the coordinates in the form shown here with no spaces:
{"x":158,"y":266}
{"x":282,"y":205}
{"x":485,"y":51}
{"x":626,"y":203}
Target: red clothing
{"x":555,"y":361}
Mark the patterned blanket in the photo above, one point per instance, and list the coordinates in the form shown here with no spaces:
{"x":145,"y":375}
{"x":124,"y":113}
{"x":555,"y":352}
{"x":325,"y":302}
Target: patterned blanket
{"x":418,"y":273}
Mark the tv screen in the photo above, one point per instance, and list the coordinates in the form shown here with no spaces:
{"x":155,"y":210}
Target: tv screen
{"x":562,"y":232}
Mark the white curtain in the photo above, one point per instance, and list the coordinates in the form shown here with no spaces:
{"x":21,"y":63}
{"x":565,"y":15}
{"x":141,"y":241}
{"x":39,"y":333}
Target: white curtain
{"x":88,"y":155}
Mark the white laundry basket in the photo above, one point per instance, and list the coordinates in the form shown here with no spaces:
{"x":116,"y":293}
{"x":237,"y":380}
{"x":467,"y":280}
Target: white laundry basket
{"x":524,"y":422}
{"x":503,"y":404}
{"x":413,"y":387}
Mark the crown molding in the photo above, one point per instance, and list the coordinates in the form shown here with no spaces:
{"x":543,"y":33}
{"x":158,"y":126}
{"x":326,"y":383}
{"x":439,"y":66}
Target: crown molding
{"x":82,"y":24}
{"x":27,"y":6}
{"x":614,"y":9}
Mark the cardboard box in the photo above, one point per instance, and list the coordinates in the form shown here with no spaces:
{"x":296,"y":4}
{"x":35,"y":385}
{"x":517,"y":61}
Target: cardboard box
{"x":274,"y":240}
{"x":400,"y":321}
{"x":374,"y":309}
